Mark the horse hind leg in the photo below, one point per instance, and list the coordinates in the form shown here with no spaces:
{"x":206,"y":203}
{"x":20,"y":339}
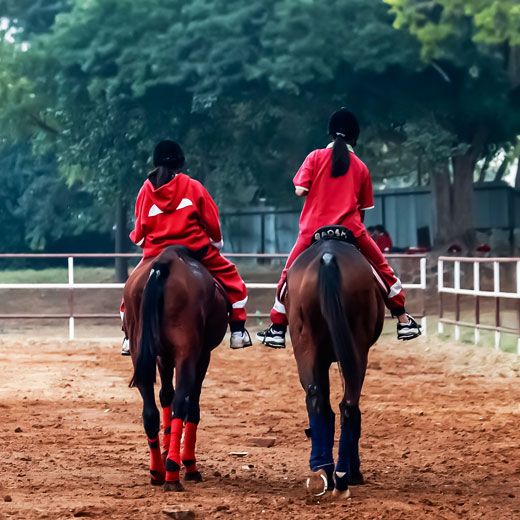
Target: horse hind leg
{"x":185,"y":377}
{"x":188,"y":456}
{"x":151,"y":420}
{"x":166,"y":398}
{"x":348,"y":464}
{"x":321,"y":422}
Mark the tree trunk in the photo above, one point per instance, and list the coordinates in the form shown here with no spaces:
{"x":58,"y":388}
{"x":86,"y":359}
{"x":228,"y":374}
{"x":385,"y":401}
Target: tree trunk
{"x":121,"y":240}
{"x":514,"y":66}
{"x":517,"y":178}
{"x":442,"y":205}
{"x":484,"y":169}
{"x":463,"y":224}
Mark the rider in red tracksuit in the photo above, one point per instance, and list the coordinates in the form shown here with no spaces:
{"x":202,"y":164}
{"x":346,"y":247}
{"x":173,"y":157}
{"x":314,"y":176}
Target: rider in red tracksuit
{"x":338,"y":190}
{"x":174,"y":209}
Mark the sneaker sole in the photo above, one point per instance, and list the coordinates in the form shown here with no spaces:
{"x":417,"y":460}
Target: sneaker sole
{"x":238,"y":347}
{"x":408,"y":336}
{"x":271,"y":342}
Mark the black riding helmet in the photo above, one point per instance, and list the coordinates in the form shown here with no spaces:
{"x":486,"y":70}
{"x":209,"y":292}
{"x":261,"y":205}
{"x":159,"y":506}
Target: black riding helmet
{"x":168,"y":154}
{"x":345,"y":124}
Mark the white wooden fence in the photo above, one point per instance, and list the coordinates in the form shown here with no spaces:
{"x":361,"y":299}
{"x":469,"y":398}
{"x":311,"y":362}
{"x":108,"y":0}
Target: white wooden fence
{"x":71,"y":286}
{"x":453,"y":264}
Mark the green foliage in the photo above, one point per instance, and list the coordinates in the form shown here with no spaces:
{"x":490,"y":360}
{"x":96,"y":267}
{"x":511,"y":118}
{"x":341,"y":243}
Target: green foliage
{"x":436,"y":24}
{"x":36,"y":206}
{"x":246,"y":87}
{"x":31,"y":16}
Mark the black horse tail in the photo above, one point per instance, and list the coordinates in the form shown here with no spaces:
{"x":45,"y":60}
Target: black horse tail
{"x":151,"y":312}
{"x":333,"y":310}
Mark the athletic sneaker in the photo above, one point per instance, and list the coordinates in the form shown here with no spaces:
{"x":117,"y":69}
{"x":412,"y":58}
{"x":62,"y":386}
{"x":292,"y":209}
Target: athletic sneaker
{"x":240,"y":339}
{"x":272,"y":337}
{"x":410,"y":330}
{"x":125,"y":349}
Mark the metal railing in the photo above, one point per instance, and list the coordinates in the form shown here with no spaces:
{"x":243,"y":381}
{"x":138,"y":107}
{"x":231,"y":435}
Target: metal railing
{"x":72,"y":286}
{"x":478,"y":293}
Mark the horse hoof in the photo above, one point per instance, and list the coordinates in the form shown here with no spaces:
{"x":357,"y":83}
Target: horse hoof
{"x":194,"y":476}
{"x":176,"y":487}
{"x":356,"y":480}
{"x":317,"y":483}
{"x":342,"y":495}
{"x":157,"y":478}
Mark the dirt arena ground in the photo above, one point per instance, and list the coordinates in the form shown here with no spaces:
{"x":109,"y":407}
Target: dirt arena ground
{"x":441,"y":436}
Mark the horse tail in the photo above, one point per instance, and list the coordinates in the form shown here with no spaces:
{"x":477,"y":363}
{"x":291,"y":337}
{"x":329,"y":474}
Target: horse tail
{"x":333,"y":310}
{"x":151,"y":312}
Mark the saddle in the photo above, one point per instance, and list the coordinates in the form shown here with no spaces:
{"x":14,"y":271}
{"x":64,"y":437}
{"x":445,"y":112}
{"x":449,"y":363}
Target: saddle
{"x":340,"y":233}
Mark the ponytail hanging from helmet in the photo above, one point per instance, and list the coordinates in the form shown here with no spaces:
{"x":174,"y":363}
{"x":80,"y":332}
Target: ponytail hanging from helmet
{"x":344,"y":129}
{"x":340,"y":156}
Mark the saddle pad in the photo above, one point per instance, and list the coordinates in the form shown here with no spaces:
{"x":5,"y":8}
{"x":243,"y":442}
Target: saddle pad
{"x":340,"y":233}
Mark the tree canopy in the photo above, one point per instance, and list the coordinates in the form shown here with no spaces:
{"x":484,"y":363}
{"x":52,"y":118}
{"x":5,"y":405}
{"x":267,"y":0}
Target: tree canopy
{"x":247,"y":87}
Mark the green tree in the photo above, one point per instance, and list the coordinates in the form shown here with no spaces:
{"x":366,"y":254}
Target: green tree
{"x":437,"y":24}
{"x":247,"y":88}
{"x":31,"y":16}
{"x":477,"y":98}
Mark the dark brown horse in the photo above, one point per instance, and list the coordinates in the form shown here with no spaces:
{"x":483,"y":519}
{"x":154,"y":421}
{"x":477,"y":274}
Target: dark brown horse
{"x":336,"y":313}
{"x":175,"y":316}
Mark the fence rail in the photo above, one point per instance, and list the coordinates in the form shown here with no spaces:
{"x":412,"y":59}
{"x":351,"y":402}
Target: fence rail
{"x":71,"y":286}
{"x":497,"y":294}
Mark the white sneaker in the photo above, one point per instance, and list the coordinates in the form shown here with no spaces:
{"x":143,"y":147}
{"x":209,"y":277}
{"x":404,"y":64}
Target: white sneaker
{"x":125,"y":348}
{"x":410,"y":330}
{"x":240,"y":339}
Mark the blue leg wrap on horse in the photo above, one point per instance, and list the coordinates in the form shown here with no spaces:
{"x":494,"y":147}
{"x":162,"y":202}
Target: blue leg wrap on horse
{"x":348,"y":454}
{"x":322,"y":431}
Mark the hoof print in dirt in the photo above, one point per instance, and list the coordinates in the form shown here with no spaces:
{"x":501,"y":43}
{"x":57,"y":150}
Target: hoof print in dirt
{"x":175,"y":487}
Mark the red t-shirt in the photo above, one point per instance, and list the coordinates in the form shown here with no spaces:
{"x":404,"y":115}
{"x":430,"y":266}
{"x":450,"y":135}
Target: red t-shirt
{"x":333,"y":200}
{"x":181,"y":212}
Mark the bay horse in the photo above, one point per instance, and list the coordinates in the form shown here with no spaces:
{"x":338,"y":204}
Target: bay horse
{"x":175,"y":316}
{"x":336,"y":313}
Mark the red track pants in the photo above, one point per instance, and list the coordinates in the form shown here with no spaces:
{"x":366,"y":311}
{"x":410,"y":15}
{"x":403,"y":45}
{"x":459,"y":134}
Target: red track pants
{"x":395,"y":299}
{"x":227,"y":275}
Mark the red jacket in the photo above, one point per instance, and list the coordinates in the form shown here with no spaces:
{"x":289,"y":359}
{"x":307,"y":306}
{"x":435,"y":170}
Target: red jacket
{"x":181,"y":212}
{"x":333,"y":201}
{"x":384,"y":242}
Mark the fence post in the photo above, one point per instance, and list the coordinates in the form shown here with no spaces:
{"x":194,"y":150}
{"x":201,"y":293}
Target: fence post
{"x":496,"y":288}
{"x":476,"y":288}
{"x":518,"y":303}
{"x":440,"y":285}
{"x":70,"y":261}
{"x":457,"y":299}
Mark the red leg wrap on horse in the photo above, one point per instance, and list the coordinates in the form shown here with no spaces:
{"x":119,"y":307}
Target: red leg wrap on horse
{"x":167,"y":425}
{"x":188,"y":449}
{"x":156,"y":462}
{"x":173,"y":462}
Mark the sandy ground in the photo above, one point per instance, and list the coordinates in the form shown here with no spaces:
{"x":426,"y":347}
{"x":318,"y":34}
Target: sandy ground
{"x":441,"y":436}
